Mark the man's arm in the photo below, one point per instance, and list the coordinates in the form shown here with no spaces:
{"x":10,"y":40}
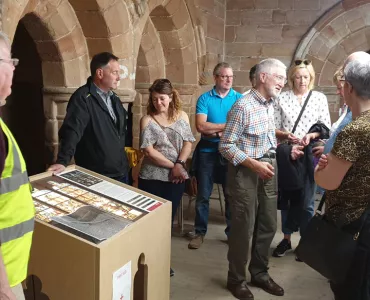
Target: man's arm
{"x":5,"y":290}
{"x":207,"y":128}
{"x":71,"y":131}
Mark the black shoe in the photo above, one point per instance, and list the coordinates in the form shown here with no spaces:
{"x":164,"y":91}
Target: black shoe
{"x":172,"y":272}
{"x":282,"y":248}
{"x":269,"y":286}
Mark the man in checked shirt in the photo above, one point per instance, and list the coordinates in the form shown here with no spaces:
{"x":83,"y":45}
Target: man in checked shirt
{"x":248,"y":143}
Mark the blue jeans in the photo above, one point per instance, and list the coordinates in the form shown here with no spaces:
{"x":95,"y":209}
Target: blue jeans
{"x":207,"y":167}
{"x":308,"y":208}
{"x":123,"y":179}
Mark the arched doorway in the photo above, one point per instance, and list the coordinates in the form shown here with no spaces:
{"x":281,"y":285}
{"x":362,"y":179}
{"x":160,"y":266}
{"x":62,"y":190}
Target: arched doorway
{"x":24,"y":111}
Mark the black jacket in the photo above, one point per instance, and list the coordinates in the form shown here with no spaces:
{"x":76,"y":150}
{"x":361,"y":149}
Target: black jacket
{"x":90,"y":135}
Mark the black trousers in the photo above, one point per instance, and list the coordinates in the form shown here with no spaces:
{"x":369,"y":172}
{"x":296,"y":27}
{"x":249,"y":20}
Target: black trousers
{"x":357,"y":284}
{"x":166,"y":190}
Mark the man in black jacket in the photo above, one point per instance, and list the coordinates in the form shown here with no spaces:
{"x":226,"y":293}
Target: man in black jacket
{"x":94,"y":128}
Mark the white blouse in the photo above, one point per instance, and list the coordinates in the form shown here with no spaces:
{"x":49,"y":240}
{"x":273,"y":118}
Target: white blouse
{"x":287,"y":109}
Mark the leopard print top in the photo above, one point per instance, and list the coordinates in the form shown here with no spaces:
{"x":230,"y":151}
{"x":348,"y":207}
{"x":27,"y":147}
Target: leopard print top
{"x":347,"y":203}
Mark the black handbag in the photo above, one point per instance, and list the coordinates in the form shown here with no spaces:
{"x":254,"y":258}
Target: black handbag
{"x":327,"y":248}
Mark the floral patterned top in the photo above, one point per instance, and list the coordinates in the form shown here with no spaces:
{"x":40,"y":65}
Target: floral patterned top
{"x":348,"y":202}
{"x":168,"y":141}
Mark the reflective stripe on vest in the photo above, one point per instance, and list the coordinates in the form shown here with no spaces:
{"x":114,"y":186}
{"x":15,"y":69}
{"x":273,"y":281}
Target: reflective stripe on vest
{"x":18,"y":178}
{"x":16,"y":231}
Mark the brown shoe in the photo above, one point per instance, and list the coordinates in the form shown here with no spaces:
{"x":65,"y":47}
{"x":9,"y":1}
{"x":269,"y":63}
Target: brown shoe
{"x":240,"y":290}
{"x":269,"y":286}
{"x":196,"y":242}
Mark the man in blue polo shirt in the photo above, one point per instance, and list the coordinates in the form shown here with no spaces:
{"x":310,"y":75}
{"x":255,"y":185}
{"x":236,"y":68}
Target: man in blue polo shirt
{"x":211,"y":113}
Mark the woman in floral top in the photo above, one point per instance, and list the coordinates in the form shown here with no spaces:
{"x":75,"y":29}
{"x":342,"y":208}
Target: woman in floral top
{"x":165,"y":139}
{"x":345,"y":174}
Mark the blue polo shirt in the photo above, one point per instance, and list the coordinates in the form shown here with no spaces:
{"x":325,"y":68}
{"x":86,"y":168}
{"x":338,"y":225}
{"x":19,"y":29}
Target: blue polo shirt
{"x":216,"y":109}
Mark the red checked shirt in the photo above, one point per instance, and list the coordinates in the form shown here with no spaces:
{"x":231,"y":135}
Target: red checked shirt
{"x":250,"y":129}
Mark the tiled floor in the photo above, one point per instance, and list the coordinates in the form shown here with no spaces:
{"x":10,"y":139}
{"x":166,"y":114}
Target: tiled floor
{"x":201,"y":274}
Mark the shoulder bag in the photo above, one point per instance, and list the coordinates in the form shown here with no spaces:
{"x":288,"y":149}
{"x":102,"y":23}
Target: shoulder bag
{"x":327,"y":248}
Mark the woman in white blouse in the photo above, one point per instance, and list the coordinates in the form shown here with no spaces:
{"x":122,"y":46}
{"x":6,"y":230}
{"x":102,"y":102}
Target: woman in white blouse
{"x":301,"y":78}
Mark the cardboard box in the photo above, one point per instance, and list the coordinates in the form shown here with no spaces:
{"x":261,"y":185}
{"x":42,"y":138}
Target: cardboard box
{"x":73,"y":268}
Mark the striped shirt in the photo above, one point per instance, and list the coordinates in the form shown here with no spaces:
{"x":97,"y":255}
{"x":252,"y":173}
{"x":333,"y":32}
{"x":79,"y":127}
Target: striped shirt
{"x":250,"y":129}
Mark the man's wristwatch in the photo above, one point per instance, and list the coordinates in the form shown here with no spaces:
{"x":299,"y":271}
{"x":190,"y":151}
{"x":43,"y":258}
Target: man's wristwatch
{"x":181,"y":162}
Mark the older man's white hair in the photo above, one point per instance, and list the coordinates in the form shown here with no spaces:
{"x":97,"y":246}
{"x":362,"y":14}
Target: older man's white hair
{"x":267,"y":65}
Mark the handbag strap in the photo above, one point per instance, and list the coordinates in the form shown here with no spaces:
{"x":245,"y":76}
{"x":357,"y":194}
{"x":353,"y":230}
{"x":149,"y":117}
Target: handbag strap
{"x":301,"y":112}
{"x":319,"y":208}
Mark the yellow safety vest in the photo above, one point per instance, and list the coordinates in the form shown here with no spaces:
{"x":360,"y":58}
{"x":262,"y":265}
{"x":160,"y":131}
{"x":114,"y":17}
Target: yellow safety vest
{"x":16,"y":212}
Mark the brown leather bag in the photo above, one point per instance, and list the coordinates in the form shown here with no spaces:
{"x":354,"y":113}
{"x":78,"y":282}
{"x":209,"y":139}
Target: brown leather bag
{"x":191,"y":186}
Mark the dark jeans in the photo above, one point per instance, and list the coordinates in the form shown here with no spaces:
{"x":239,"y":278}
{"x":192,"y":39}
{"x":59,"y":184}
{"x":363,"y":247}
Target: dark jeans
{"x":208,"y":167}
{"x":123,"y":179}
{"x":164,"y":189}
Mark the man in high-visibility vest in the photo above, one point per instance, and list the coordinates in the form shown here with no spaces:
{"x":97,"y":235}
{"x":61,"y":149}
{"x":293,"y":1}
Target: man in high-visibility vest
{"x":16,"y":205}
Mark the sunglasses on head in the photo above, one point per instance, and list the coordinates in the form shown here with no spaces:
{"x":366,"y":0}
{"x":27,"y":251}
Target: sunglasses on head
{"x":298,"y":62}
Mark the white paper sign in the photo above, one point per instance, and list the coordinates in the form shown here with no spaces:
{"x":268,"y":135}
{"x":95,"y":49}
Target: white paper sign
{"x":122,"y":283}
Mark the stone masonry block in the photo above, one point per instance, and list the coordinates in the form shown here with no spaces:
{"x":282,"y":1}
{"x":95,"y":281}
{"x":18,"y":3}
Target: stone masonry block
{"x":233,"y":17}
{"x":206,"y":5}
{"x":301,"y":17}
{"x":266,"y":4}
{"x":279,"y":16}
{"x":239,"y":4}
{"x":293,"y":34}
{"x":233,"y":61}
{"x":352,"y":43}
{"x":257,"y":16}
{"x":246,"y":33}
{"x":215,"y":28}
{"x":337,"y":55}
{"x":273,"y":50}
{"x":241,"y":78}
{"x":327,"y":73}
{"x":53,"y":73}
{"x":214,"y":46}
{"x":243,"y":49}
{"x":86,"y":18}
{"x":269,"y":34}
{"x":247,"y":63}
{"x":117,"y":18}
{"x":306,"y":5}
{"x":286,"y":4}
{"x":230,"y":34}
{"x":96,"y":46}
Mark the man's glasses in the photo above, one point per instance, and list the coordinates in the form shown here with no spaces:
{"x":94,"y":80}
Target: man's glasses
{"x":298,"y":62}
{"x":12,"y":61}
{"x":280,"y":78}
{"x":225,"y":77}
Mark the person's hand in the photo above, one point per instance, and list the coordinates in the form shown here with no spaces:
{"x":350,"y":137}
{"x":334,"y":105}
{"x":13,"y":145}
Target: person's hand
{"x":323,"y":162}
{"x":307,"y":139}
{"x":296,"y":152}
{"x":317,"y":151}
{"x":56,"y":168}
{"x":264,"y":170}
{"x":178,"y":174}
{"x":292,"y":138}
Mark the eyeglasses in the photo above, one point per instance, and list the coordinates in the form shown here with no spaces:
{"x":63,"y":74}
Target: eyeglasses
{"x":298,"y":62}
{"x":279,"y":78}
{"x":12,"y":61}
{"x":224,"y":77}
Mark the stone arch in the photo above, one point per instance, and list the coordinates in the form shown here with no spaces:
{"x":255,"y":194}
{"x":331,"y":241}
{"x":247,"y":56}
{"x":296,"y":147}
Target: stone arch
{"x":58,"y":36}
{"x":341,"y":31}
{"x":150,"y":60}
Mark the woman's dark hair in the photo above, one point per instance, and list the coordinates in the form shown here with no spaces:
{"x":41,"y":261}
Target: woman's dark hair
{"x":164,"y":86}
{"x":100,"y":60}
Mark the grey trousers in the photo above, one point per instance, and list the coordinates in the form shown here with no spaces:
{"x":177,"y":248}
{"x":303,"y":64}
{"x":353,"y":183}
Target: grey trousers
{"x":253,"y":204}
{"x":18,"y":292}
